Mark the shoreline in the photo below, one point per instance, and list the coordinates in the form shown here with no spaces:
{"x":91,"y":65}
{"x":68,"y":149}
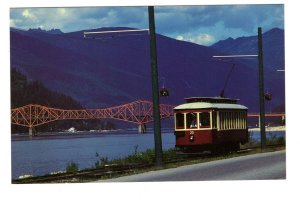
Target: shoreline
{"x":270,"y":128}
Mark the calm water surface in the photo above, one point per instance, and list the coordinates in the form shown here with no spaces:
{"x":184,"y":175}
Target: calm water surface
{"x":42,"y":155}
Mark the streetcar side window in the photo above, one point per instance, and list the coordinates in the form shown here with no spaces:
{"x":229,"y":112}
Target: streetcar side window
{"x":191,"y":120}
{"x":214,"y":120}
{"x":204,"y":120}
{"x":233,"y":120}
{"x":179,"y":120}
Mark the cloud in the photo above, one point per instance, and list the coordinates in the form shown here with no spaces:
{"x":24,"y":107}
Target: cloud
{"x":27,"y":14}
{"x":202,"y":38}
{"x":62,"y":11}
{"x":124,"y":16}
{"x":180,"y":37}
{"x":243,"y":17}
{"x":206,"y":24}
{"x":200,"y":24}
{"x":79,"y":18}
{"x":39,"y":17}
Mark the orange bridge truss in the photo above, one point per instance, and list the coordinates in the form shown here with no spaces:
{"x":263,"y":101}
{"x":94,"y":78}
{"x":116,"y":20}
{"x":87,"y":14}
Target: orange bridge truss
{"x":138,"y":112}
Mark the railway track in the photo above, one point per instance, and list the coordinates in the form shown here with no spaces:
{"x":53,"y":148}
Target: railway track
{"x":113,"y":170}
{"x":84,"y":175}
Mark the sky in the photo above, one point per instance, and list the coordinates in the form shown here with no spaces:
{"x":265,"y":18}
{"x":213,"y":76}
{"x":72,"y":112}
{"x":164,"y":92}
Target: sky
{"x":203,"y":25}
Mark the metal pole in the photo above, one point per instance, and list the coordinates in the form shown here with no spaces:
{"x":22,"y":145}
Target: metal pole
{"x":155,"y":91}
{"x":261,"y":90}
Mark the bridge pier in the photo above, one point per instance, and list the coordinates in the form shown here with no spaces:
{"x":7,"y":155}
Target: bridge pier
{"x":142,"y":128}
{"x":30,"y":132}
{"x":283,"y":120}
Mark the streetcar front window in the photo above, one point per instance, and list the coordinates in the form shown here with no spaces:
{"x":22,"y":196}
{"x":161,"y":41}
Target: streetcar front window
{"x":191,"y":120}
{"x":204,"y":120}
{"x":179,"y":120}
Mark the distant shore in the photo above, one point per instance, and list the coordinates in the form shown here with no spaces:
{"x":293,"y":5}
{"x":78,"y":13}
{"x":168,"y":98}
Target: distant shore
{"x":270,"y":128}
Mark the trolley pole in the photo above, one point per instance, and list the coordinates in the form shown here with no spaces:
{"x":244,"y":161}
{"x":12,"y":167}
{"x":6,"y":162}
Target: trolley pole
{"x":261,"y":90}
{"x":155,"y":91}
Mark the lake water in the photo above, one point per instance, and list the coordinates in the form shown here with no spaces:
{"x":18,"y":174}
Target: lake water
{"x":45,"y":154}
{"x":42,"y":155}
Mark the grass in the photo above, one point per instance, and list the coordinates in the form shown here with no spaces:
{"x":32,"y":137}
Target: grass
{"x":138,"y":158}
{"x":272,"y":139}
{"x":72,"y":167}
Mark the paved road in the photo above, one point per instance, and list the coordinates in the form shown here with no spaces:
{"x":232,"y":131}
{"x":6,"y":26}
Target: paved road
{"x":262,"y":166}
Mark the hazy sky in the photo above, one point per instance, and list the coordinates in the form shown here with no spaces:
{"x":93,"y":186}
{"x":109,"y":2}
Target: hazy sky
{"x":200,"y":24}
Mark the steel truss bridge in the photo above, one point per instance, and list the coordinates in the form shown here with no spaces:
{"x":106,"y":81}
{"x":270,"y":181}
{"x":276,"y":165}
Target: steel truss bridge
{"x":138,"y":112}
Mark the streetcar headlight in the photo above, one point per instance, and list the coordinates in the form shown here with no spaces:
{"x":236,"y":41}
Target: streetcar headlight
{"x":191,"y":138}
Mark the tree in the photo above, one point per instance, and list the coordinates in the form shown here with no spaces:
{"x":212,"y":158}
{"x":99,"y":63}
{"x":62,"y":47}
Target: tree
{"x":24,"y":92}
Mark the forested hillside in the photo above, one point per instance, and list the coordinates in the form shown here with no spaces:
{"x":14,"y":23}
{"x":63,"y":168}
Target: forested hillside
{"x":24,"y":91}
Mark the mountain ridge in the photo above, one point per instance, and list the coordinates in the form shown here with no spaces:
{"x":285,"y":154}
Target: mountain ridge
{"x":111,"y":71}
{"x":51,"y":31}
{"x":273,"y":41}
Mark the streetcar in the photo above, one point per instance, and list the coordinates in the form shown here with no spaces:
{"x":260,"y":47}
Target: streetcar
{"x":210,"y":123}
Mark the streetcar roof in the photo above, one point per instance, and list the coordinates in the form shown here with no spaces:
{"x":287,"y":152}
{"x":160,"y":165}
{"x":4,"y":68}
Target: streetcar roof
{"x":211,"y":100}
{"x":205,"y":105}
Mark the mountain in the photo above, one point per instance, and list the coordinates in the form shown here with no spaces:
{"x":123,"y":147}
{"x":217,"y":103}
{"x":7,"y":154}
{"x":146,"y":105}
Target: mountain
{"x":102,"y":71}
{"x":273,"y":47}
{"x":273,"y":54}
{"x":52,"y":31}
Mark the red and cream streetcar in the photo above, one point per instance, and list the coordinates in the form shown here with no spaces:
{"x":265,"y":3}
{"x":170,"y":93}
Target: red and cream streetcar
{"x":210,"y":123}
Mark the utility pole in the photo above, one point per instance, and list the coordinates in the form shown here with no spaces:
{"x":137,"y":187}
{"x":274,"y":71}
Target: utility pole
{"x":155,"y":91}
{"x":261,"y":90}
